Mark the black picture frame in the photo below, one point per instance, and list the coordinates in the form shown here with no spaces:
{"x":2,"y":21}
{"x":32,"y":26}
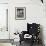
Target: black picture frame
{"x":20,"y":13}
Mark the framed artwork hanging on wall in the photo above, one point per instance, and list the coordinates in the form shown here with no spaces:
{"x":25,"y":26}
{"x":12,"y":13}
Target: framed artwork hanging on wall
{"x":20,"y":13}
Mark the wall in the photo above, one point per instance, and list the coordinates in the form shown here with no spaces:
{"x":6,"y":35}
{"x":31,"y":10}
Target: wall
{"x":4,"y":1}
{"x":3,"y":17}
{"x":3,"y":21}
{"x":35,"y":13}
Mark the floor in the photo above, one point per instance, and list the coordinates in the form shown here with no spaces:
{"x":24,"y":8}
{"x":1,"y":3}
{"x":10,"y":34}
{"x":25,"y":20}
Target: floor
{"x":22,"y":44}
{"x":27,"y":44}
{"x":18,"y":44}
{"x":6,"y":44}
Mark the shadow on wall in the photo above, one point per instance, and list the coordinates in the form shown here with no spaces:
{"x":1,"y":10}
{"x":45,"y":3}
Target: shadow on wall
{"x":41,"y":34}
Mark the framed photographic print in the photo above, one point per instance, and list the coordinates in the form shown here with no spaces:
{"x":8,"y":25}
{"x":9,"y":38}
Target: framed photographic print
{"x":20,"y":13}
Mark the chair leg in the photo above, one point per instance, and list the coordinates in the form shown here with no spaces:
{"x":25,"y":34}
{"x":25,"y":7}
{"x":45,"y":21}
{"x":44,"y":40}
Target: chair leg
{"x":20,"y":42}
{"x":32,"y":42}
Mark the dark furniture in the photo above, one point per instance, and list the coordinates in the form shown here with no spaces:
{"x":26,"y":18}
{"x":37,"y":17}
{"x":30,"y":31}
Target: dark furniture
{"x":33,"y":30}
{"x":42,"y":1}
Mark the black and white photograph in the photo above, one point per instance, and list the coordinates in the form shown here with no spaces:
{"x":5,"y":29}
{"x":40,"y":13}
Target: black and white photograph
{"x":20,"y":13}
{"x":22,"y":22}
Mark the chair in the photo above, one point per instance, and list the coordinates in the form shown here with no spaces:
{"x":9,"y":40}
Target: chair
{"x":33,"y":30}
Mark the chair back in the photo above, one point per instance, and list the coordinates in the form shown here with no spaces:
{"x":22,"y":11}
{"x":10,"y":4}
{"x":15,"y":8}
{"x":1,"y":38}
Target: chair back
{"x":33,"y":28}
